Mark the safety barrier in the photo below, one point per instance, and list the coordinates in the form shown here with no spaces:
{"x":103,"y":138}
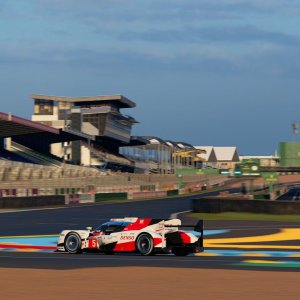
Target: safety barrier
{"x":172,"y":193}
{"x":146,"y":195}
{"x":110,"y":196}
{"x":36,"y":201}
{"x":222,"y":204}
{"x":18,"y":192}
{"x":72,"y":199}
{"x":75,"y":199}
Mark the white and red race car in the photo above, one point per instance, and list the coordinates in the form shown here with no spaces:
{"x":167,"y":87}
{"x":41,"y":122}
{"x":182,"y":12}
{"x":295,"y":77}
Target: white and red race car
{"x":140,"y":235}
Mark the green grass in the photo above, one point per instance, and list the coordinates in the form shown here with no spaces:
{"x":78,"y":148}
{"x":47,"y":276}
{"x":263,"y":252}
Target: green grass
{"x":238,"y":216}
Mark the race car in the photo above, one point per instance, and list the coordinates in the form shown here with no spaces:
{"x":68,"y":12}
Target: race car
{"x":140,"y":235}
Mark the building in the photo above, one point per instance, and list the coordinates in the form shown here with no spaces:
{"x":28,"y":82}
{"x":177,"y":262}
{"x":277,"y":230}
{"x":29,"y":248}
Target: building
{"x":155,"y":155}
{"x":219,"y":157}
{"x":227,"y":157}
{"x":209,"y":156}
{"x":97,"y":116}
{"x":289,"y":153}
{"x":264,"y":160}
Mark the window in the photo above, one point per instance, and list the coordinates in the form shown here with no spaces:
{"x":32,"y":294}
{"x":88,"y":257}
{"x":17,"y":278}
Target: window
{"x":43,"y":107}
{"x":111,"y":227}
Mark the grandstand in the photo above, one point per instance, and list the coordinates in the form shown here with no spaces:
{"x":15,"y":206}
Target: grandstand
{"x":92,"y":131}
{"x":16,"y":177}
{"x":29,"y":167}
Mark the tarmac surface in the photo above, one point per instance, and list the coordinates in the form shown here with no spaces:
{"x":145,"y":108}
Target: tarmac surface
{"x":52,"y":221}
{"x":28,"y":238}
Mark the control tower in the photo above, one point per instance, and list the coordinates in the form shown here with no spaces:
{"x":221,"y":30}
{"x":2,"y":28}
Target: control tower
{"x":98,"y":116}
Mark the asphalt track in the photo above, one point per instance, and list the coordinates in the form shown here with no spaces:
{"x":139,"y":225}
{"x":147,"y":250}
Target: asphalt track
{"x":52,"y":221}
{"x":228,"y":244}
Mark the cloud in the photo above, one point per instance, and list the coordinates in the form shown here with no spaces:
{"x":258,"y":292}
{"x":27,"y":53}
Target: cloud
{"x":227,"y":34}
{"x":148,"y":10}
{"x":265,"y":60}
{"x":156,"y":35}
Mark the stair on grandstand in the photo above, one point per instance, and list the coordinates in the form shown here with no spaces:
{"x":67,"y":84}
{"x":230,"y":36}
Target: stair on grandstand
{"x":33,"y":156}
{"x":104,"y":156}
{"x":14,"y":156}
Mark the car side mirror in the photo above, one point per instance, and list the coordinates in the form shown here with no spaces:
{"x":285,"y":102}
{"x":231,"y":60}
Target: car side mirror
{"x":89,"y":228}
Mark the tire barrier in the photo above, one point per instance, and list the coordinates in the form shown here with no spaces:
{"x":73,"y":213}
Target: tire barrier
{"x":219,"y":205}
{"x":35,"y":201}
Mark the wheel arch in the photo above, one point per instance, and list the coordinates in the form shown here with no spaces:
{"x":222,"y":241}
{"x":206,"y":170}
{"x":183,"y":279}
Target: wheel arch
{"x":74,"y":233}
{"x":137,"y":240}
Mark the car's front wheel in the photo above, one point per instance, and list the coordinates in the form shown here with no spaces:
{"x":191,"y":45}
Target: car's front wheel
{"x":73,"y":243}
{"x":145,"y":244}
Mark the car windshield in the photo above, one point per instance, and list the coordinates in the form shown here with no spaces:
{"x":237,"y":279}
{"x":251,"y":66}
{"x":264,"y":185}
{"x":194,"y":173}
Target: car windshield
{"x":109,"y":227}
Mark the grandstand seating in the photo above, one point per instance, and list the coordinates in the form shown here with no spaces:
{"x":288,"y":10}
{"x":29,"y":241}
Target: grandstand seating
{"x":13,"y":170}
{"x":16,"y":175}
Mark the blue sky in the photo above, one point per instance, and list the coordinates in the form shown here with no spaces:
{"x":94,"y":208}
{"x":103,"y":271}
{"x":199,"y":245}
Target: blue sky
{"x":208,"y":72}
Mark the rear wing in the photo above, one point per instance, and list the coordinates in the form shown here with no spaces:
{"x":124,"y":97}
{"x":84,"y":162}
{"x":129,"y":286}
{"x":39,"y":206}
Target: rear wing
{"x":199,"y":227}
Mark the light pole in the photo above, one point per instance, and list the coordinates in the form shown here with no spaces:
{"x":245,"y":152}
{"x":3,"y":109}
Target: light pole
{"x":180,"y":181}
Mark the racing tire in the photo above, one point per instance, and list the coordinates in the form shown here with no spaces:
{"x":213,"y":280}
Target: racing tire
{"x":73,"y":243}
{"x":181,"y":252}
{"x":144,"y":244}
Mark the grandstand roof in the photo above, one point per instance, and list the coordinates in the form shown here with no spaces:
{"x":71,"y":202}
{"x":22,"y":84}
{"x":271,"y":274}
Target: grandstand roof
{"x":153,"y":140}
{"x":13,"y":126}
{"x":120,"y":100}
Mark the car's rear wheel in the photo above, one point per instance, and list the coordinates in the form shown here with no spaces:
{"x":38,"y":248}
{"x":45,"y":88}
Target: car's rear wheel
{"x":73,"y":243}
{"x":145,"y":244}
{"x":181,"y":251}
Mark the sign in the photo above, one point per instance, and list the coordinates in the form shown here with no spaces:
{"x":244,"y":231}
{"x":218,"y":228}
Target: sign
{"x":270,"y":176}
{"x":249,"y":169}
{"x":189,"y":171}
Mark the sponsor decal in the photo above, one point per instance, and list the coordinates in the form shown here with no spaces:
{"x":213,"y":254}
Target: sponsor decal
{"x":127,"y":238}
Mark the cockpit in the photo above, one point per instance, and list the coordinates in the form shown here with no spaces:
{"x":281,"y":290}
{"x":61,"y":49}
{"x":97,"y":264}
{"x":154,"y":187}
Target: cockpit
{"x":110,"y":227}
